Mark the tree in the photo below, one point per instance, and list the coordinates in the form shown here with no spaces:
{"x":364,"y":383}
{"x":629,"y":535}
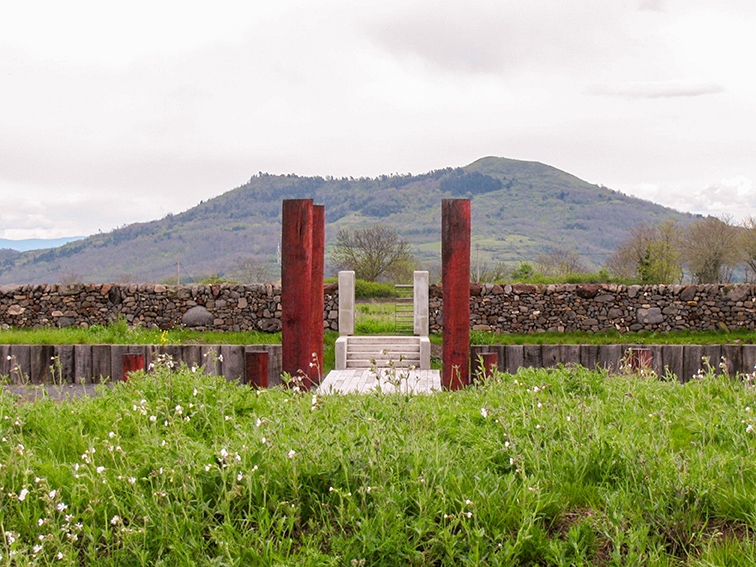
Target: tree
{"x":651,"y":254}
{"x":747,"y":241}
{"x":710,"y":250}
{"x":560,"y":263}
{"x":374,"y":253}
{"x":249,"y":270}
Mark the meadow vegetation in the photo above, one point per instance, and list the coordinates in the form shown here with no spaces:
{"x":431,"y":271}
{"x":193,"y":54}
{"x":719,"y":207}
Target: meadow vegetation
{"x":545,"y":467}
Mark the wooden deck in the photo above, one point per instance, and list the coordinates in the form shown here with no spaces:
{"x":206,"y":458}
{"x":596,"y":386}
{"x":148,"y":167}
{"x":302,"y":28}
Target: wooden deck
{"x":367,"y":380}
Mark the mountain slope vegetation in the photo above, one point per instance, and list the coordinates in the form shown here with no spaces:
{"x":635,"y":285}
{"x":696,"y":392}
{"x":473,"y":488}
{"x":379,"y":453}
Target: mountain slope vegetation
{"x":519,"y":210}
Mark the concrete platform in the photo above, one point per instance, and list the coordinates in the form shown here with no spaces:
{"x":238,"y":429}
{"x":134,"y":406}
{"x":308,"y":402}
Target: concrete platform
{"x":401,"y":380}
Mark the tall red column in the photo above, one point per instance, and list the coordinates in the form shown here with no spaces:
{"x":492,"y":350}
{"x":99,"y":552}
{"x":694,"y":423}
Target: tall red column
{"x":296,"y":287}
{"x":317,"y":301}
{"x":455,"y":260}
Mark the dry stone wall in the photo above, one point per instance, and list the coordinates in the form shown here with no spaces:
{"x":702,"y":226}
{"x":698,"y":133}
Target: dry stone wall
{"x":222,"y":307}
{"x":521,"y":308}
{"x":516,"y":308}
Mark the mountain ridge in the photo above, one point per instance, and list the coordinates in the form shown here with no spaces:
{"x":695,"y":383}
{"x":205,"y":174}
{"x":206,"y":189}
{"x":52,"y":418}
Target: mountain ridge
{"x":519,"y":210}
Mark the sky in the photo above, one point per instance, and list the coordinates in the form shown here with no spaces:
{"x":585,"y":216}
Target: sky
{"x":113,"y":113}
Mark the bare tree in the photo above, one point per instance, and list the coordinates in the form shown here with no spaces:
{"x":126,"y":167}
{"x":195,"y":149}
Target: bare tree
{"x":651,"y":254}
{"x":747,"y":243}
{"x":250,"y":270}
{"x":710,"y":250}
{"x":560,"y":263}
{"x":485,"y":273}
{"x":374,"y":253}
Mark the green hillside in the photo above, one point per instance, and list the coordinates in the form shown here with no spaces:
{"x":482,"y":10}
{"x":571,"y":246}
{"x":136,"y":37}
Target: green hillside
{"x":520,"y":210}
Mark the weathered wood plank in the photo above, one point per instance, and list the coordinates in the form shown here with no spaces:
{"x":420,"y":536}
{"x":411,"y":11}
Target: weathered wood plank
{"x":5,"y":361}
{"x":192,"y":355}
{"x":65,"y":364}
{"x":570,"y":354}
{"x":692,"y":363}
{"x":589,"y":356}
{"x":514,"y":358}
{"x":40,"y":360}
{"x":610,"y":357}
{"x":749,"y":359}
{"x":550,"y":355}
{"x":233,"y":362}
{"x":714,"y":354}
{"x":672,"y":358}
{"x":83,"y":364}
{"x":733,"y":355}
{"x":531,"y":356}
{"x":101,"y":368}
{"x":20,"y":364}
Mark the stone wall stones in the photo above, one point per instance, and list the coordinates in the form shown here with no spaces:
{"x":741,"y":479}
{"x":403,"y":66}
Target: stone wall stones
{"x":510,"y":308}
{"x":520,"y":308}
{"x":221,"y":307}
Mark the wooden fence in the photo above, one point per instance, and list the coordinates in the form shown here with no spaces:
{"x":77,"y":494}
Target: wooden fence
{"x":681,"y":361}
{"x":77,"y":364}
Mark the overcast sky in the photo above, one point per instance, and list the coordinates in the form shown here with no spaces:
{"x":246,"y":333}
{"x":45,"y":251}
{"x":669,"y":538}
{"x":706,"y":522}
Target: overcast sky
{"x":112,"y":113}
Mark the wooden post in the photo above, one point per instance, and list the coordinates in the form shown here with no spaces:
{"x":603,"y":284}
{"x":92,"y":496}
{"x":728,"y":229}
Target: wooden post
{"x":131,"y":363}
{"x":455,"y":260}
{"x":485,"y":364}
{"x":296,"y":290}
{"x":640,"y":359}
{"x":317,"y":300}
{"x":257,"y":369}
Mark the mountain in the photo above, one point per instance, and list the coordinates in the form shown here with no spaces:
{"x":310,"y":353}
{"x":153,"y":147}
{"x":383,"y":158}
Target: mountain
{"x":519,"y":210}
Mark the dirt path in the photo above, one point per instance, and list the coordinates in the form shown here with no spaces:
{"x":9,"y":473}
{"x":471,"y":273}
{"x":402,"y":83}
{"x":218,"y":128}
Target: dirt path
{"x":31,"y":392}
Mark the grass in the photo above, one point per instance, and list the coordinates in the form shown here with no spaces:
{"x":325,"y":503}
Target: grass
{"x":120,"y":332}
{"x":546,"y":467}
{"x":374,"y":318}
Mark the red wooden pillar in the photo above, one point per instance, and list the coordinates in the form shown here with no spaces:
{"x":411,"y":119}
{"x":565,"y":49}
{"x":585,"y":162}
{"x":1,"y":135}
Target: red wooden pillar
{"x":485,"y":364}
{"x":257,"y":369}
{"x":455,"y":260}
{"x":641,"y":359}
{"x":317,"y":301}
{"x":296,"y":287}
{"x":131,"y":363}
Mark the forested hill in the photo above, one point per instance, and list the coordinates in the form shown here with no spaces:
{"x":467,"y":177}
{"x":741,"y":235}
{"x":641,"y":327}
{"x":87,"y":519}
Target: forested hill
{"x":520,"y":210}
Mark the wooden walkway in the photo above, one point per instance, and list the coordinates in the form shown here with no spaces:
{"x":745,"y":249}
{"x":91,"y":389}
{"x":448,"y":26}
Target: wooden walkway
{"x":388,"y":381}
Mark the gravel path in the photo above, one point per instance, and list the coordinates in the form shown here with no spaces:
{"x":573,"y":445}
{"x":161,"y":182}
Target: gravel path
{"x":31,"y":392}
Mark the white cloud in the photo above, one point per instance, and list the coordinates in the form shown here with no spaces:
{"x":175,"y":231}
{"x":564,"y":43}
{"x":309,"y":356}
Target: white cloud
{"x":659,"y":89}
{"x":734,"y":197}
{"x":145,"y":108}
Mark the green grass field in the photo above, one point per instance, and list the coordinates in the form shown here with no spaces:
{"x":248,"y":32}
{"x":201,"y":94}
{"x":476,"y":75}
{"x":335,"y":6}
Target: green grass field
{"x":548,"y":467}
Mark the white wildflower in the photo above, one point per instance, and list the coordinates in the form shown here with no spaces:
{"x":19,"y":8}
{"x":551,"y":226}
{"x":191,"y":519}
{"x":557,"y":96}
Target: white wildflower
{"x":291,"y":454}
{"x":61,"y":507}
{"x":484,"y":412}
{"x":22,"y":495}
